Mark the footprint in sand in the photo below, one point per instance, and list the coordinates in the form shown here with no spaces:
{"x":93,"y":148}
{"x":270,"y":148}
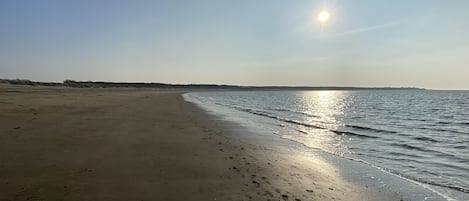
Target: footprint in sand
{"x":284,"y":197}
{"x":256,"y":183}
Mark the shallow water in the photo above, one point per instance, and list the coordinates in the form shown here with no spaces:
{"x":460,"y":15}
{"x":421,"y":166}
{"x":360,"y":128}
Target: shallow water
{"x":421,"y":135}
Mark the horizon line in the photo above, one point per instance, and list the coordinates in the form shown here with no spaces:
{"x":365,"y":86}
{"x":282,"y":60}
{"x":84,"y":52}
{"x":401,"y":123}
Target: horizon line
{"x":69,"y":81}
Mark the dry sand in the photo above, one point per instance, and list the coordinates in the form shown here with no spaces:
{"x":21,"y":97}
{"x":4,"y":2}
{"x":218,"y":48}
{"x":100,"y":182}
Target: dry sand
{"x":133,"y":144}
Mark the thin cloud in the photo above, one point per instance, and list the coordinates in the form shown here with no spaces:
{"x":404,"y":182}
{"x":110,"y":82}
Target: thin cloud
{"x":366,"y":29}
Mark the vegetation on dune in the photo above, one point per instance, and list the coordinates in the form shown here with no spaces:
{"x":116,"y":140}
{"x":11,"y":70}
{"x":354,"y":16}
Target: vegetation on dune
{"x":93,"y":84}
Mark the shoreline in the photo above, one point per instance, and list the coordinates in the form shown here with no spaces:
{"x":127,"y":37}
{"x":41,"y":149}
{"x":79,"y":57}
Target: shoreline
{"x":137,"y":144}
{"x":372,"y":181}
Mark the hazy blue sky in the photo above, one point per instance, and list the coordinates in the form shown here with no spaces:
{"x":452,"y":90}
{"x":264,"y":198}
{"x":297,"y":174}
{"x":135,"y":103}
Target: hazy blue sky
{"x":249,"y":42}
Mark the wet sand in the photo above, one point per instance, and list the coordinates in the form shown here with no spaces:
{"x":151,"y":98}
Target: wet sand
{"x":135,"y":144}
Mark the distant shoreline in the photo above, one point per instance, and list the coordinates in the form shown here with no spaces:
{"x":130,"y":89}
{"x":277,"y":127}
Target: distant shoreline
{"x":100,"y":84}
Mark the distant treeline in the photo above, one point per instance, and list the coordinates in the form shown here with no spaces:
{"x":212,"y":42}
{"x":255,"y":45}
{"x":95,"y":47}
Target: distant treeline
{"x":91,"y":84}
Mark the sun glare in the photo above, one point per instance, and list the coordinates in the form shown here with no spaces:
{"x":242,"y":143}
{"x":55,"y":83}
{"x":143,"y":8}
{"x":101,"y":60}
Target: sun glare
{"x":323,"y":16}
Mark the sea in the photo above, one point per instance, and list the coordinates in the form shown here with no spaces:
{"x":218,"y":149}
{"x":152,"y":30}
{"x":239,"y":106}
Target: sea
{"x":418,"y":135}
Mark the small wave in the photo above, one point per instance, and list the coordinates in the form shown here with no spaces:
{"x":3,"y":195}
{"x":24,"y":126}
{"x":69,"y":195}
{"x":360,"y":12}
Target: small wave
{"x":402,"y":154}
{"x":407,"y":146}
{"x":350,"y":133}
{"x":443,"y":122}
{"x":422,"y":149}
{"x":301,"y":124}
{"x":439,"y":129}
{"x":296,"y":112}
{"x":406,"y":160}
{"x":414,"y":119}
{"x":461,"y":147}
{"x":415,"y":179}
{"x":442,"y":130}
{"x":260,"y":113}
{"x":442,"y":164}
{"x":264,"y":114}
{"x":370,"y":129}
{"x":450,"y":186}
{"x":448,"y":116}
{"x":427,"y":139}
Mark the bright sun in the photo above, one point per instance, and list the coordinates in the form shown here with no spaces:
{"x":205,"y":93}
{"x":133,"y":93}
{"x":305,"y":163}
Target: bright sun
{"x":323,"y":16}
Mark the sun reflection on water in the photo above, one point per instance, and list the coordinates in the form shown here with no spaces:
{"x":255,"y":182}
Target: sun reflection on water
{"x":326,"y":106}
{"x":323,"y":111}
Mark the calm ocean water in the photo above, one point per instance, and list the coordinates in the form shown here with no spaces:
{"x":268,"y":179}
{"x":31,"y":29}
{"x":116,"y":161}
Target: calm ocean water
{"x":422,"y":135}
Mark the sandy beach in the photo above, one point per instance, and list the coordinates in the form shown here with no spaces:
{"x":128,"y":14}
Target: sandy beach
{"x":136,"y":144}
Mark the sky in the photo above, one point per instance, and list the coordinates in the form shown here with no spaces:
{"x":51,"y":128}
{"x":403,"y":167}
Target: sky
{"x":366,"y":43}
